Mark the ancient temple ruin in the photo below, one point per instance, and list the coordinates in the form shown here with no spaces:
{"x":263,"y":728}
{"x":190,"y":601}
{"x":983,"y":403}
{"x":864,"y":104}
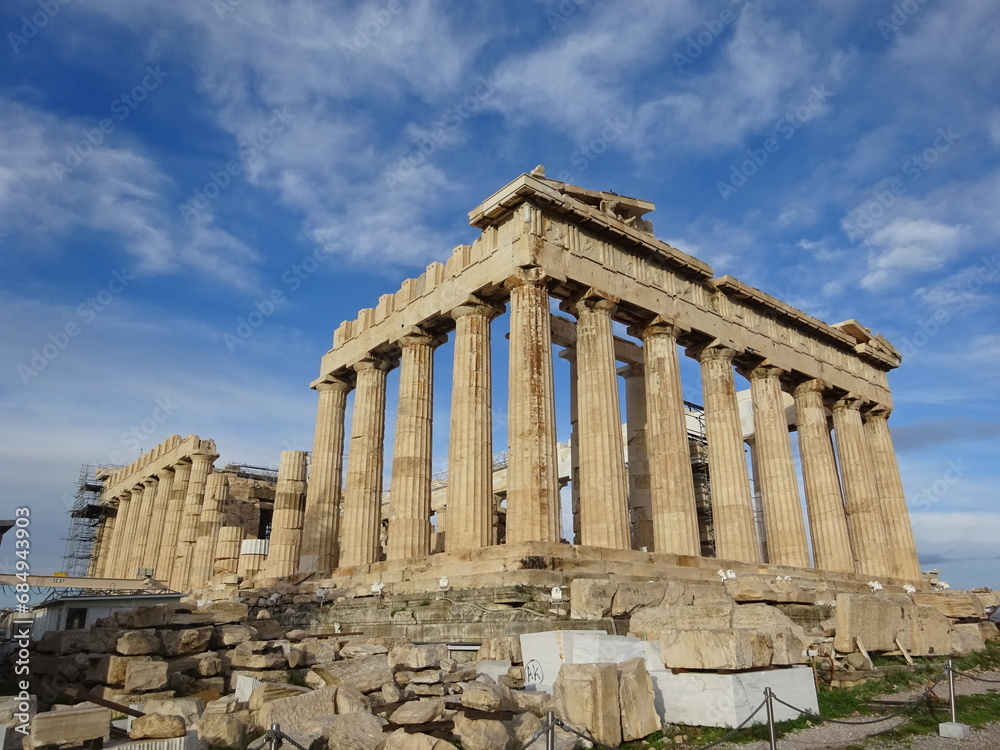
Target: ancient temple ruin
{"x":676,"y":501}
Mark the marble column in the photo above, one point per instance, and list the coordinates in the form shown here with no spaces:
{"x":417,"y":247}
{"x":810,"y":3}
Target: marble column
{"x":824,"y":500}
{"x":322,"y":516}
{"x":470,"y":459}
{"x":359,"y":533}
{"x":732,"y":506}
{"x":227,"y":550}
{"x":102,"y":549}
{"x":675,"y":513}
{"x":532,"y":466}
{"x":410,"y":484}
{"x":128,"y":556}
{"x":187,"y":534}
{"x":161,"y":507}
{"x":640,"y":504}
{"x":603,"y":485}
{"x":898,"y":531}
{"x":172,"y":524}
{"x":779,"y":487}
{"x":864,"y":516}
{"x":289,"y":512}
{"x":210,"y":520}
{"x":118,"y":542}
{"x":112,"y":539}
{"x":145,"y":541}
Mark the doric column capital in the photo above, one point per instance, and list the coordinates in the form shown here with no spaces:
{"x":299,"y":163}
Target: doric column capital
{"x":876,"y":412}
{"x":420,"y":338}
{"x":593,"y":302}
{"x":658,"y":326}
{"x":476,"y":306}
{"x":849,"y":401}
{"x":813,"y":385}
{"x":334,"y":384}
{"x":150,"y":481}
{"x":166,"y":471}
{"x":373,"y":362}
{"x":763,"y":371}
{"x":713,"y":351}
{"x":527,"y":276}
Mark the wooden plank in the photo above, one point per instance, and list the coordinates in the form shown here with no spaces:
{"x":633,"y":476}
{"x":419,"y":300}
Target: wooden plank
{"x":906,"y":655}
{"x":83,"y":695}
{"x":864,"y":652}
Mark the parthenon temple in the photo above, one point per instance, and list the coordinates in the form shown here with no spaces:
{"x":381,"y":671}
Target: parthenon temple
{"x":646,"y":488}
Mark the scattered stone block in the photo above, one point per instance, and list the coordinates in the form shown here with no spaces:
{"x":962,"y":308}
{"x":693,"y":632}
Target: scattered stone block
{"x":403,"y":740}
{"x":354,"y":650}
{"x":353,"y":732}
{"x":295,"y":711}
{"x":483,"y":696}
{"x":637,"y":701}
{"x":231,"y":635}
{"x":366,"y":673}
{"x":189,"y":709}
{"x":269,"y":691}
{"x":223,"y":613}
{"x":930,"y":632}
{"x":419,"y":712}
{"x":587,"y":695}
{"x":500,"y":649}
{"x":715,"y":649}
{"x":153,"y":726}
{"x":222,"y":730}
{"x":352,"y":701}
{"x":187,"y":641}
{"x":954,"y":604}
{"x":877,"y":619}
{"x":268,"y":630}
{"x":481,"y":734}
{"x":966,"y":639}
{"x":650,"y":622}
{"x":70,"y":726}
{"x":138,"y":642}
{"x":317,"y":651}
{"x":413,"y":657}
{"x":205,"y":664}
{"x":143,"y":676}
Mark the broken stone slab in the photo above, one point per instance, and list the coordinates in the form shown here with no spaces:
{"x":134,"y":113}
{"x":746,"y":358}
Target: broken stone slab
{"x":714,"y":649}
{"x":269,"y":691}
{"x":587,"y":695}
{"x":222,"y":730}
{"x":427,"y":690}
{"x":637,"y":701}
{"x":954,"y":604}
{"x":876,"y":619}
{"x":264,"y":675}
{"x":481,"y":734}
{"x":317,"y":651}
{"x":231,"y":635}
{"x":421,"y":711}
{"x":223,"y":613}
{"x":354,"y":732}
{"x":296,"y":711}
{"x":186,"y":641}
{"x":930,"y":632}
{"x":143,"y":617}
{"x":590,"y":598}
{"x":503,"y":648}
{"x":248,"y":659}
{"x":403,"y":740}
{"x":366,"y":673}
{"x":353,"y":701}
{"x":138,"y":643}
{"x":144,"y":676}
{"x":204,"y":664}
{"x":153,"y":726}
{"x":789,"y":641}
{"x":268,"y":629}
{"x":650,"y":622}
{"x":69,"y":726}
{"x":354,"y":650}
{"x":414,"y":657}
{"x":535,"y":702}
{"x":189,"y":709}
{"x":966,"y":639}
{"x":483,"y":696}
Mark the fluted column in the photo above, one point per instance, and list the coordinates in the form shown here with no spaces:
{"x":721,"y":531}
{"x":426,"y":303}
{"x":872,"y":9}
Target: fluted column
{"x":201,"y":463}
{"x":410,"y":498}
{"x":359,"y":535}
{"x":732,"y":508}
{"x":102,"y":551}
{"x":824,"y":500}
{"x":207,"y":533}
{"x":532,"y":465}
{"x":639,"y":496}
{"x":113,"y":543}
{"x":470,"y":459}
{"x":675,"y":513}
{"x":603,"y":488}
{"x":786,"y":530}
{"x":145,"y":543}
{"x":161,"y":505}
{"x":864,"y":516}
{"x":289,"y":512}
{"x":322,"y":515}
{"x":172,"y":524}
{"x":120,"y":540}
{"x":898,"y":531}
{"x":227,"y":550}
{"x":129,"y":552}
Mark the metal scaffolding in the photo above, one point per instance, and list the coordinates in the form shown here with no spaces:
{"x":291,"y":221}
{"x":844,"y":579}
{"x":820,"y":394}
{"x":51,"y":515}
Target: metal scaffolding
{"x":86,"y":522}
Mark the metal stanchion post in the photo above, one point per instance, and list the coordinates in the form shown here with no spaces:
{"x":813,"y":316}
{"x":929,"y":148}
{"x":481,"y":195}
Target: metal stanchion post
{"x":550,"y":735}
{"x":275,"y":736}
{"x":951,"y":690}
{"x":768,"y":696}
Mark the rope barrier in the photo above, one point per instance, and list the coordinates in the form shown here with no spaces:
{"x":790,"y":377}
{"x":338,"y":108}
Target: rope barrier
{"x":734,"y":730}
{"x":977,"y":679}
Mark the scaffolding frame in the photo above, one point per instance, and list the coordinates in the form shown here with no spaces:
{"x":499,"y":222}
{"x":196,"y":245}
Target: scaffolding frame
{"x":87,"y":518}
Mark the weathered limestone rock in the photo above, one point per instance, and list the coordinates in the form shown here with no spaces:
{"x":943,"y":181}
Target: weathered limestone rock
{"x":483,"y":696}
{"x":587,"y":695}
{"x":411,"y":657}
{"x":188,"y":641}
{"x":294,"y":712}
{"x":269,"y":691}
{"x":788,"y":640}
{"x":358,"y":731}
{"x":222,"y":730}
{"x":317,"y":651}
{"x":966,"y":639}
{"x":401,"y":740}
{"x":138,"y":642}
{"x":205,"y":664}
{"x":366,"y":673}
{"x":352,"y":701}
{"x":481,"y":734}
{"x":635,"y":695}
{"x":536,"y":702}
{"x":231,"y":635}
{"x":715,"y":649}
{"x":248,"y":655}
{"x":69,"y":726}
{"x":110,"y":669}
{"x":954,"y":604}
{"x":354,"y":650}
{"x":419,"y":712}
{"x":189,"y":709}
{"x":156,"y":727}
{"x":590,"y":598}
{"x":143,"y":617}
{"x":223,"y":613}
{"x":522,"y":727}
{"x":268,"y":630}
{"x":12,"y":713}
{"x":499,"y":649}
{"x":877,"y":619}
{"x":649,"y":623}
{"x":142,"y":676}
{"x":930,"y":632}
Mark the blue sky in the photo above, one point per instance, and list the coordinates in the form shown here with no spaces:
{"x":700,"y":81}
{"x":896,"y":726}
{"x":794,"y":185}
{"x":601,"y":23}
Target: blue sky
{"x":194,"y":194}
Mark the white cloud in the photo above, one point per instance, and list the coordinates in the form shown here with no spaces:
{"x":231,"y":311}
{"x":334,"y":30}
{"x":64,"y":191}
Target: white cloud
{"x":908,"y":245}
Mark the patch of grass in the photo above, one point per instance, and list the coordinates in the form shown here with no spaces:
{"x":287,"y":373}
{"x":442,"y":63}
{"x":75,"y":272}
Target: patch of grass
{"x":424,"y":603}
{"x":296,"y":677}
{"x":396,"y":612}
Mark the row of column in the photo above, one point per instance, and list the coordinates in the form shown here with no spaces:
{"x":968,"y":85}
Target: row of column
{"x":865,"y":528}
